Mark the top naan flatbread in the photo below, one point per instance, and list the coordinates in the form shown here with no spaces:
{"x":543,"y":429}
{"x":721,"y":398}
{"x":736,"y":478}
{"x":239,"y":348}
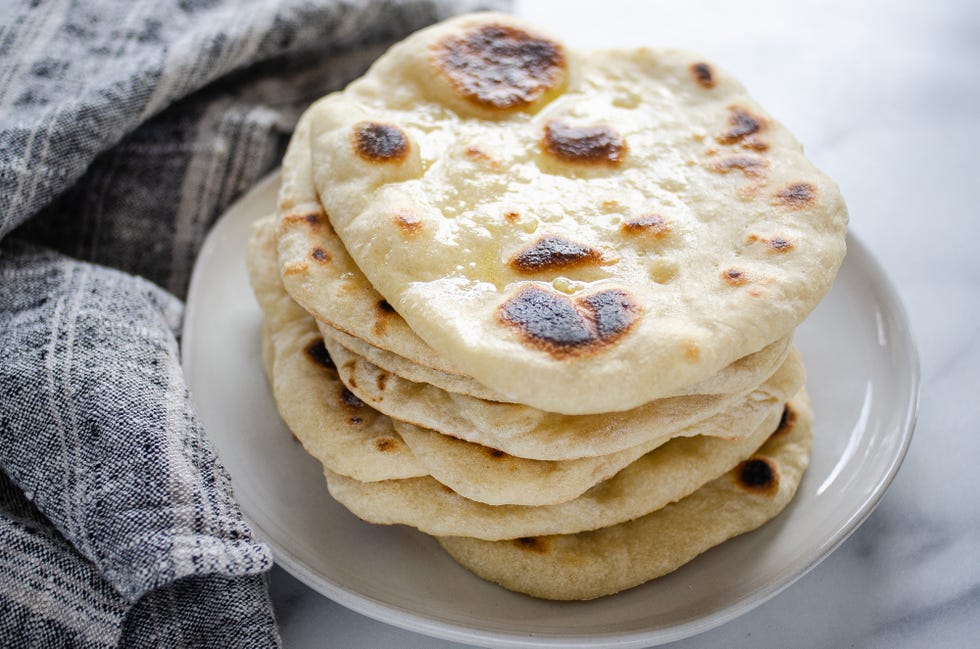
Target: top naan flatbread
{"x":555,"y":220}
{"x":328,"y":283}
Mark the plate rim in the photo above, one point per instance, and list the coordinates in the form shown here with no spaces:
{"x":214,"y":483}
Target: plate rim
{"x":434,"y":626}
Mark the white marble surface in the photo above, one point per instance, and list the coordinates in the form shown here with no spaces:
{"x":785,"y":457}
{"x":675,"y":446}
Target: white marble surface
{"x":886,"y":98}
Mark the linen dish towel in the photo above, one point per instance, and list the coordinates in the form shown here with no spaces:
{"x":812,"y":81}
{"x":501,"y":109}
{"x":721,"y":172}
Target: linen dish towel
{"x":125,"y":130}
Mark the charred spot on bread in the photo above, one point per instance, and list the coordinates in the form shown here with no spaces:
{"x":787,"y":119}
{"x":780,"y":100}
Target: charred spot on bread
{"x":383,"y":312}
{"x":547,"y":320}
{"x":592,"y":145}
{"x":758,"y":474}
{"x":745,"y":129}
{"x":407,"y":221}
{"x":310,"y":218}
{"x":554,"y":252}
{"x":532,"y":544}
{"x":317,"y":352}
{"x":741,"y":123}
{"x":652,"y":225}
{"x":786,"y":421}
{"x":500,"y":67}
{"x":380,"y":142}
{"x":564,"y":327}
{"x":703,"y":75}
{"x":750,"y":165}
{"x":780,"y":244}
{"x":796,"y":196}
{"x":350,"y":399}
{"x":613,"y":312}
{"x":734,"y":276}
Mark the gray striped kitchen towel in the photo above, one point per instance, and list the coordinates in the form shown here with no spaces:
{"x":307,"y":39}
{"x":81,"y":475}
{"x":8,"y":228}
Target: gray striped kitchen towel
{"x":126,"y":128}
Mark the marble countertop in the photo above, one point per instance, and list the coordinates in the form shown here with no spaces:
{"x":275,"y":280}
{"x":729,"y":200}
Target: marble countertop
{"x":886,"y":98}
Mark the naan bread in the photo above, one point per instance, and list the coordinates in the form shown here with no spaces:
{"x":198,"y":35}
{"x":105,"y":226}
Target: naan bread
{"x":608,"y":560}
{"x":662,"y":476}
{"x":742,"y":375}
{"x":491,"y":476}
{"x":530,"y":433}
{"x":405,"y":368}
{"x":582,"y":232}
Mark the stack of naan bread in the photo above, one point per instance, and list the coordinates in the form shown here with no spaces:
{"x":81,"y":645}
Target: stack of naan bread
{"x":538,"y":303}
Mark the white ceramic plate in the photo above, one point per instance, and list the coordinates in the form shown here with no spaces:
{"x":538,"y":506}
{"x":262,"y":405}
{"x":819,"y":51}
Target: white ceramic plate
{"x":863,"y":379}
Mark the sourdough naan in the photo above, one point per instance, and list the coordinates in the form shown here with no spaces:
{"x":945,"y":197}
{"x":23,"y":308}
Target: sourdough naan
{"x":409,"y":369}
{"x":658,"y":478}
{"x":744,"y":374}
{"x":582,"y":232}
{"x":531,"y":433}
{"x":491,"y":476}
